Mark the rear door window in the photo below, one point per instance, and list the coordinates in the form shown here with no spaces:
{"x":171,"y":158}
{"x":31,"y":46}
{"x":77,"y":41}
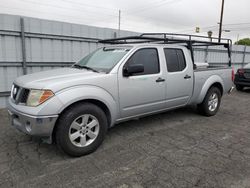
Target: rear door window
{"x":175,"y":59}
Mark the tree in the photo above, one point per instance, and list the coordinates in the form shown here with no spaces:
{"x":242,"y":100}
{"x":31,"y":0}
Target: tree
{"x":245,"y":41}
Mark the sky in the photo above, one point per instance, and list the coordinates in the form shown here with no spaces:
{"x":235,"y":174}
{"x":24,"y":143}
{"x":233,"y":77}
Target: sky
{"x":181,"y":16}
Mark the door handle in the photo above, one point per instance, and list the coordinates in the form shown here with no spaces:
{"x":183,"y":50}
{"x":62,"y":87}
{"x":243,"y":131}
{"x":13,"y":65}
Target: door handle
{"x":160,"y":80}
{"x":187,"y":77}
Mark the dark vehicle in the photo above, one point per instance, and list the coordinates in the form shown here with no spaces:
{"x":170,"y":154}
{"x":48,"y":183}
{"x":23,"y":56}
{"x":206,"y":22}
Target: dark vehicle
{"x":242,"y":78}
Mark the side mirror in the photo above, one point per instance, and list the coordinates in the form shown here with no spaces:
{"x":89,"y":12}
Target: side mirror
{"x":133,"y":69}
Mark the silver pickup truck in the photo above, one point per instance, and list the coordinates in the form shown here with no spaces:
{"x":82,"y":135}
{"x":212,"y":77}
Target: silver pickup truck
{"x":75,"y":106}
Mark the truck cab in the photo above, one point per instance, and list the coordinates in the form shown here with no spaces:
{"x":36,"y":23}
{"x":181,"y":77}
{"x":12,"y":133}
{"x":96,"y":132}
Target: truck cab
{"x":165,"y":80}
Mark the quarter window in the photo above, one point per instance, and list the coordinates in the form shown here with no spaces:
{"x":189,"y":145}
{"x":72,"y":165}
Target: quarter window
{"x":148,"y":57}
{"x":175,"y":60}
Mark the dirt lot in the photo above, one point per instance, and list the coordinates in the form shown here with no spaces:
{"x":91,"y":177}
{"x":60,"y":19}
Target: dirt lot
{"x":173,"y":149}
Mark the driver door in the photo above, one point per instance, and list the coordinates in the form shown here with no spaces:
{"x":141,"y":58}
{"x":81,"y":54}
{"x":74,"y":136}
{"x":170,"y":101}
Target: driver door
{"x":144,"y":92}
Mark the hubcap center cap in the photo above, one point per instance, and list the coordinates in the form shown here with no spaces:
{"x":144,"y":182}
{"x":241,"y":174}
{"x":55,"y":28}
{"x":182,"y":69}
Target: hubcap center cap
{"x":213,"y":102}
{"x":84,"y":130}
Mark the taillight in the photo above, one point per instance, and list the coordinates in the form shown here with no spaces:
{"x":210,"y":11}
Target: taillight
{"x":241,"y":71}
{"x":233,"y":74}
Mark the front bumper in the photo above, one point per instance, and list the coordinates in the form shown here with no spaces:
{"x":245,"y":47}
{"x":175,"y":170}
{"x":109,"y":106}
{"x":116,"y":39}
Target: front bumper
{"x":242,"y":83}
{"x":241,"y":80}
{"x":32,"y":125}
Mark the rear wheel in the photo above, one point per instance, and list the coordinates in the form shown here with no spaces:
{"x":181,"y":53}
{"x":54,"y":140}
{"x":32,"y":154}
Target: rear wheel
{"x":211,"y":102}
{"x":81,"y":129}
{"x":239,"y":87}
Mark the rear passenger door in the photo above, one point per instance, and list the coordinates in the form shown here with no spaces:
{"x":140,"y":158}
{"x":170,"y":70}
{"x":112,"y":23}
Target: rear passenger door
{"x":179,"y":79}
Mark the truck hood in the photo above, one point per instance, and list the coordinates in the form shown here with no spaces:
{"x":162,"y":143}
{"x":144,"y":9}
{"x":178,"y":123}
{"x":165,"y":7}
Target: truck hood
{"x":57,"y":79}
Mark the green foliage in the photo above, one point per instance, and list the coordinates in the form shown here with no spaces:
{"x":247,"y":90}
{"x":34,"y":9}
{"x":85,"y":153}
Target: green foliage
{"x":245,"y":41}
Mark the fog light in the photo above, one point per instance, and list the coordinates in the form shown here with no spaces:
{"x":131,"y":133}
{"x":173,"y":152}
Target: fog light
{"x":39,"y":120}
{"x":28,"y":126}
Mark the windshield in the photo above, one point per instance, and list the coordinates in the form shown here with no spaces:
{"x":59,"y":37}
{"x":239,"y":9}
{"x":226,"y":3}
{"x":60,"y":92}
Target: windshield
{"x":103,"y":59}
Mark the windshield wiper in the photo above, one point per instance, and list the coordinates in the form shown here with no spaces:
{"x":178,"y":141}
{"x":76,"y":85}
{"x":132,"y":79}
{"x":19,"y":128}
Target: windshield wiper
{"x":84,"y":67}
{"x":77,"y":66}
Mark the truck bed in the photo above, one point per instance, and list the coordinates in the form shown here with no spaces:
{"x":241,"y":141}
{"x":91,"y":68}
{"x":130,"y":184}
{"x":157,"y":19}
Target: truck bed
{"x":211,"y":67}
{"x":204,"y":77}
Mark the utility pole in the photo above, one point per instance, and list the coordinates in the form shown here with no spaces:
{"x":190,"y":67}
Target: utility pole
{"x":119,"y":23}
{"x":221,"y":19}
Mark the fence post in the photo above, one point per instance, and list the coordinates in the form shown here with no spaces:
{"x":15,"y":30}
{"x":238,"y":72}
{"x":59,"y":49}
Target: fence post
{"x":24,"y":66}
{"x":206,"y":54}
{"x":244,"y":56}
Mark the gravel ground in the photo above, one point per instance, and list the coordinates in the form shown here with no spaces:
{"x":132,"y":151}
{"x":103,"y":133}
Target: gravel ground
{"x":172,"y":149}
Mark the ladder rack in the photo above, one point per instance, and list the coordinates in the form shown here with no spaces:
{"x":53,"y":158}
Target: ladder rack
{"x":189,"y":41}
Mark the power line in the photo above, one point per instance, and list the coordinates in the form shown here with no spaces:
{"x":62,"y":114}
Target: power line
{"x":153,"y":6}
{"x":64,"y":15}
{"x":62,"y":7}
{"x":111,"y":17}
{"x":247,"y":23}
{"x":202,"y":28}
{"x":135,"y":9}
{"x":213,"y":27}
{"x":88,"y":5}
{"x":237,"y":29}
{"x":67,"y":8}
{"x":95,"y":18}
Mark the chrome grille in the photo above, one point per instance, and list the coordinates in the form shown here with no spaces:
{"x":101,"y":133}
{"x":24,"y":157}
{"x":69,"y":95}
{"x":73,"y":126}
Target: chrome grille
{"x":15,"y":91}
{"x":24,"y":95}
{"x":19,"y":94}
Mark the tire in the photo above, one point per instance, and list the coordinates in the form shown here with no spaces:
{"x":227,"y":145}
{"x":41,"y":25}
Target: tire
{"x":77,"y":126}
{"x":239,"y":87}
{"x":208,"y":109}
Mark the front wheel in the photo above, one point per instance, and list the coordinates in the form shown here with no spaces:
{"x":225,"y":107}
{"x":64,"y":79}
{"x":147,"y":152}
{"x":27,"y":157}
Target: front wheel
{"x":81,"y":129}
{"x":211,"y":102}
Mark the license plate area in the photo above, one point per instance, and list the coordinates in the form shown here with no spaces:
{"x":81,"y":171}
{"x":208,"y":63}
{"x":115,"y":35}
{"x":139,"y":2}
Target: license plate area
{"x":247,"y":75}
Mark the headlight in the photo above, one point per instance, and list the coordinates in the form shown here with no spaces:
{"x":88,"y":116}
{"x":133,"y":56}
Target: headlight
{"x":37,"y":97}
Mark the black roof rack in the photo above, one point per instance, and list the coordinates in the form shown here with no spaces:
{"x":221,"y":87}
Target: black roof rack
{"x":189,"y":41}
